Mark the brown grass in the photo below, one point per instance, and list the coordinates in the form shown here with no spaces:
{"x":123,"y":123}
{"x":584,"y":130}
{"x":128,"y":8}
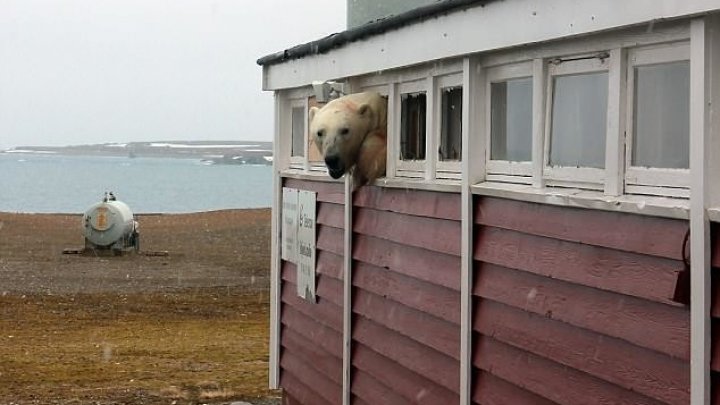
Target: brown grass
{"x":188,"y":328}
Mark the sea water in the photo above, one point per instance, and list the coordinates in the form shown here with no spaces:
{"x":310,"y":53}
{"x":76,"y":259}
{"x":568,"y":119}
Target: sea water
{"x":36,"y":183}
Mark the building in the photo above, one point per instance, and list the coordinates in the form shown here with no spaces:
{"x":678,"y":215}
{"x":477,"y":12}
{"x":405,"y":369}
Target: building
{"x":543,"y":234}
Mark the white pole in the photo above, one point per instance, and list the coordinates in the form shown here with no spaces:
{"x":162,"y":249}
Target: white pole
{"x":347,"y":293}
{"x":700,"y":284}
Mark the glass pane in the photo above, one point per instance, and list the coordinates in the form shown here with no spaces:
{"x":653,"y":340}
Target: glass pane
{"x":451,"y":125}
{"x":314,"y":155}
{"x":662,"y":116}
{"x":511,"y":120}
{"x":579,"y":115}
{"x":298,"y":131}
{"x":412,"y":126}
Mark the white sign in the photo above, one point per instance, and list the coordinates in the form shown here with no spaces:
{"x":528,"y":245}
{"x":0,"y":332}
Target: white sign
{"x":289,"y":224}
{"x":306,"y":245}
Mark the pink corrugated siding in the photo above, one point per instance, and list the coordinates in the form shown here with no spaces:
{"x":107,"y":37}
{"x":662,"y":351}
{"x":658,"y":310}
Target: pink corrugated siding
{"x":576,"y":306}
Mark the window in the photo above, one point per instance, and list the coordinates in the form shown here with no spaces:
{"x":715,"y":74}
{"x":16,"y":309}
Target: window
{"x":662,"y":116}
{"x":576,"y":124}
{"x":579,"y":117}
{"x":412,"y":126}
{"x":314,"y":157}
{"x":509,"y":112}
{"x":451,"y":125}
{"x":658,"y":131}
{"x":298,"y":131}
{"x":511,"y":120}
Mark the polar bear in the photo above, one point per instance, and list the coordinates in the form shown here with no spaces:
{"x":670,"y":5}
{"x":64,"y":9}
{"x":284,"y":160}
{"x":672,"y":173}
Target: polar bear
{"x":351,"y":131}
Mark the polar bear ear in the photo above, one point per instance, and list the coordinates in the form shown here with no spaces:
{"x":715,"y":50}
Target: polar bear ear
{"x":313,"y":111}
{"x":364,"y":109}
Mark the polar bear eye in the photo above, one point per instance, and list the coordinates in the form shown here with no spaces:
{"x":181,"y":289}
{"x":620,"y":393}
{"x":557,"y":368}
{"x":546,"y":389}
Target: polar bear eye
{"x":320,"y":133}
{"x":344,"y":131}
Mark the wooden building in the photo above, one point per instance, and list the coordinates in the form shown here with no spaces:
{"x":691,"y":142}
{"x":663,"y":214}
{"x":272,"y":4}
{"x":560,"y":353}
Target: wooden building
{"x":544,"y":231}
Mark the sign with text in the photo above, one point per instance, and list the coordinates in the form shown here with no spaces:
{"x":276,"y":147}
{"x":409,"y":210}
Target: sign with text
{"x":289,"y":224}
{"x":306,"y":244}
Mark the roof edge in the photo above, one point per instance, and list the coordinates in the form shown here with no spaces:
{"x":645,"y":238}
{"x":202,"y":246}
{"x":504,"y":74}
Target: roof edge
{"x":376,"y":27}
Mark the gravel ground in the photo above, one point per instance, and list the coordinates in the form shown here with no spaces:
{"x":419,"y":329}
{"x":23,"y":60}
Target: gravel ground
{"x":187,"y":328}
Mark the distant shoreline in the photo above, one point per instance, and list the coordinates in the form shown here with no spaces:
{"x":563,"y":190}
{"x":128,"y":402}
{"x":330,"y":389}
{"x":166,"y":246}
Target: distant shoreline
{"x":210,"y":152}
{"x":145,"y":214}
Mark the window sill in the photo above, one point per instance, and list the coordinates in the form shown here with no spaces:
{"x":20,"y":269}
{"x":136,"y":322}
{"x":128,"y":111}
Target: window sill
{"x":568,"y":197}
{"x":714,"y":214}
{"x":442,"y":185}
{"x":314,"y":175}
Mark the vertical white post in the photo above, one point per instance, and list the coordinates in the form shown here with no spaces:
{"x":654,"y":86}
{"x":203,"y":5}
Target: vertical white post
{"x":431,"y":133}
{"x":473,"y":171}
{"x":347,"y":293}
{"x":393,"y":129}
{"x":306,"y":135}
{"x":615,"y":145}
{"x":700,"y":298}
{"x":538,"y":121}
{"x":279,"y":163}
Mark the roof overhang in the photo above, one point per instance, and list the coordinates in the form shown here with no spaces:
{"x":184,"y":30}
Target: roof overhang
{"x":481,"y":28}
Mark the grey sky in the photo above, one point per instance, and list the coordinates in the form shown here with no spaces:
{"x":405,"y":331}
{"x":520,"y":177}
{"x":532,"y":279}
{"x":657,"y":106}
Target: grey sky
{"x":89,"y":71}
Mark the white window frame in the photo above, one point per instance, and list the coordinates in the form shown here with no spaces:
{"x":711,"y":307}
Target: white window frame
{"x":318,"y":165}
{"x":412,"y":168}
{"x":643,"y":180}
{"x":450,"y":169}
{"x":297,"y":162}
{"x":505,"y":170}
{"x":583,"y":177}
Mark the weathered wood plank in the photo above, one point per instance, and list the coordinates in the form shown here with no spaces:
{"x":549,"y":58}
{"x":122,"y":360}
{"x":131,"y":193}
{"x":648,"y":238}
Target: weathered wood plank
{"x":416,"y":357}
{"x":551,"y":380}
{"x":419,"y":326}
{"x":438,"y":301}
{"x":422,"y":264}
{"x":327,"y":288}
{"x":330,"y":239}
{"x":715,"y":338}
{"x":414,"y":202}
{"x":715,"y":296}
{"x":327,"y":338}
{"x":288,"y":399}
{"x":631,"y":367}
{"x":326,"y":192}
{"x":715,"y":245}
{"x":633,"y":233}
{"x":438,"y":235}
{"x":328,"y":264}
{"x":660,"y":327}
{"x":299,"y":392}
{"x":312,"y":355}
{"x":355,"y":400}
{"x":332,"y":215}
{"x":715,"y":387}
{"x":324,"y":311}
{"x":491,"y":390}
{"x":607,"y":269}
{"x":412,"y":386}
{"x":373,"y":391}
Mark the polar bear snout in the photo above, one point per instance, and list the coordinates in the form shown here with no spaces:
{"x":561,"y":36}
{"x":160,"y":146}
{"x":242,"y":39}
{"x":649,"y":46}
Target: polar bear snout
{"x":335,"y":166}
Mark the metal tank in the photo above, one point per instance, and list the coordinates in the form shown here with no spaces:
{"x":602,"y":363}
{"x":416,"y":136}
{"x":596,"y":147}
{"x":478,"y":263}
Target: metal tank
{"x":110,"y":225}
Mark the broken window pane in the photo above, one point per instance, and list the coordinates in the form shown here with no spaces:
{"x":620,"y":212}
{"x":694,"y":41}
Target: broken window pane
{"x":412,"y":126}
{"x":451,"y":124}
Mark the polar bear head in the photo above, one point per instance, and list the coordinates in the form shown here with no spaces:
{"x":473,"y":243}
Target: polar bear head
{"x":341,"y":127}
